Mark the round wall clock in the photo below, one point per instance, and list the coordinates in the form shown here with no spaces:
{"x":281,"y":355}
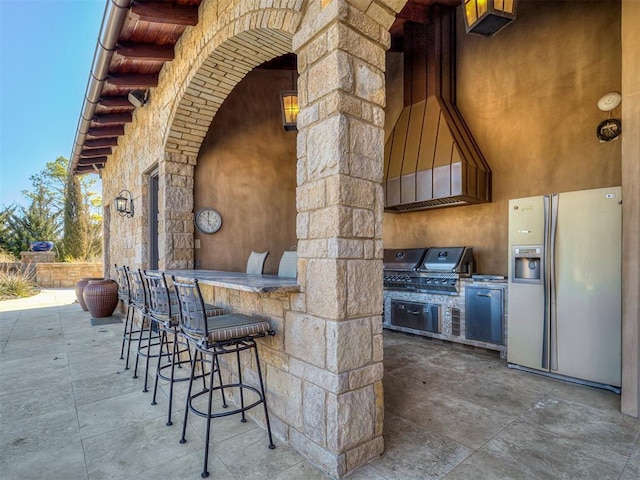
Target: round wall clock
{"x":208,"y":220}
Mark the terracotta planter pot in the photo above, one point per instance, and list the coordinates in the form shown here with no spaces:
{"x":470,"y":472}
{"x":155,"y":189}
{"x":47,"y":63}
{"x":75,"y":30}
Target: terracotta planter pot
{"x":80,"y":284}
{"x":101,"y":297}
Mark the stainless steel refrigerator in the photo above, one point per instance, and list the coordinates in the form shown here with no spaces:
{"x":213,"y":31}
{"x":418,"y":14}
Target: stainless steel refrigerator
{"x":564,"y":297}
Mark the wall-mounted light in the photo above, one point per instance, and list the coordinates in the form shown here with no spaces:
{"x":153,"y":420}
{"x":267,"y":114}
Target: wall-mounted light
{"x":290,"y":109}
{"x":487,"y":17}
{"x":138,"y":98}
{"x":124,"y":204}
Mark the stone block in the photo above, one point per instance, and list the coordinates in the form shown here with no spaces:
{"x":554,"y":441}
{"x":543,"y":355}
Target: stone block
{"x":342,"y":38}
{"x":275,"y":358}
{"x":333,"y":221}
{"x":370,"y":84}
{"x":348,"y":344}
{"x":364,"y":24}
{"x":305,"y":338}
{"x":333,"y":464}
{"x":312,"y":249}
{"x":285,"y":396}
{"x":302,"y":225}
{"x":272,"y":307}
{"x":298,"y":302}
{"x":366,"y":167}
{"x":311,"y":196}
{"x":364,"y":376}
{"x":327,"y":148}
{"x":314,"y":413}
{"x":331,"y":382}
{"x":333,"y":72}
{"x":363,"y":454}
{"x":325,"y":279}
{"x":379,"y":394}
{"x":363,"y":223}
{"x":350,"y":419}
{"x":366,"y":140}
{"x":345,"y":248}
{"x":351,"y":191}
{"x":364,"y":285}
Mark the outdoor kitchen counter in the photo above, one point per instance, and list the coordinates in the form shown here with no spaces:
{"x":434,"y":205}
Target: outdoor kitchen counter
{"x":238,"y":281}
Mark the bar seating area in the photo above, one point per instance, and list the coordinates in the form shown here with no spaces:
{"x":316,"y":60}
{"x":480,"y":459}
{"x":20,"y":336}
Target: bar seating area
{"x":172,"y":324}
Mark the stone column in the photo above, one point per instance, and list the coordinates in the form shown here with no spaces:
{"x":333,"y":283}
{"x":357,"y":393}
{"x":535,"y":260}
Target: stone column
{"x":175,"y":198}
{"x":335,"y":344}
{"x":630,"y":402}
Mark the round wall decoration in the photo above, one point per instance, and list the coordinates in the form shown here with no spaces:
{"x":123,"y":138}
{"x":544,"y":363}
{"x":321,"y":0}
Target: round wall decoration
{"x":208,"y":220}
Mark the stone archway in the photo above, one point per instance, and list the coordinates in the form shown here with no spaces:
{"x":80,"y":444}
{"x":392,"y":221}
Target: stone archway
{"x":243,"y":37}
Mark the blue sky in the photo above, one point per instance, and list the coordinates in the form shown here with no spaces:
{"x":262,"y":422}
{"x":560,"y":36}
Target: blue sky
{"x":46,"y":50}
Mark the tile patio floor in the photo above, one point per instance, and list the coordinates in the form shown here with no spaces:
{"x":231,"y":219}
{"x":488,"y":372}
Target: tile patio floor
{"x":69,"y":411}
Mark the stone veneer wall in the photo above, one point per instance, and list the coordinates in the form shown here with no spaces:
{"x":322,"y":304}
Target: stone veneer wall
{"x":65,"y":275}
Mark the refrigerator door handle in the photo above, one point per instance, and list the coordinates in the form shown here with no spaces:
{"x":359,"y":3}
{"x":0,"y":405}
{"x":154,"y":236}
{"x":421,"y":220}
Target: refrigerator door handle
{"x":553,"y":311}
{"x":545,"y":269}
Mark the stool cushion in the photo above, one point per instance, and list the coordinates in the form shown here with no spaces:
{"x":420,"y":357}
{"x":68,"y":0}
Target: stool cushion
{"x":235,"y":325}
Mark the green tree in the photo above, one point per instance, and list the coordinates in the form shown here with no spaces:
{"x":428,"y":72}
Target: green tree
{"x":61,"y":206}
{"x":82,"y":228}
{"x":40,"y":221}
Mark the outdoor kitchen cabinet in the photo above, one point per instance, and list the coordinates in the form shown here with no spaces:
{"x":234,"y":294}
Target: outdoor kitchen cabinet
{"x":484,"y":316}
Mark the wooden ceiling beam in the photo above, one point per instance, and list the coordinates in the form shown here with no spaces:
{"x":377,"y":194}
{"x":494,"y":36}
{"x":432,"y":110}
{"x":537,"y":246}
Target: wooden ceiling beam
{"x":115,"y":101}
{"x":99,"y":132}
{"x":95,"y":152}
{"x":101,"y":142}
{"x":133,"y":80}
{"x":113,"y":118}
{"x":139,"y":51}
{"x":92,"y":161}
{"x":165,"y":12}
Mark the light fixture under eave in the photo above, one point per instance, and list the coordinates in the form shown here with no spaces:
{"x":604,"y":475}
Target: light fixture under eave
{"x":124,"y":204}
{"x":138,"y":98}
{"x":487,"y":17}
{"x":290,"y":109}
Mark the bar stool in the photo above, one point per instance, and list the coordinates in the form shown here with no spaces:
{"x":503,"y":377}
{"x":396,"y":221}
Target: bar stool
{"x":124,"y":294}
{"x":163,"y":312}
{"x":149,"y":336}
{"x":214,"y":337}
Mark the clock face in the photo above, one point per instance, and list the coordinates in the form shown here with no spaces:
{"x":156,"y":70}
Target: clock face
{"x":208,"y":220}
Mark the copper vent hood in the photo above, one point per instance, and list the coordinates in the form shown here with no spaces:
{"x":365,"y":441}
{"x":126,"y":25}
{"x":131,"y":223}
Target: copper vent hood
{"x":431,"y":158}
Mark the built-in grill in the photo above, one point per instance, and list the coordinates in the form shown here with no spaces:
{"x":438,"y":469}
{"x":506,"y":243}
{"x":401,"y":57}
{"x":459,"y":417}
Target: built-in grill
{"x":428,"y":270}
{"x":400,"y":267}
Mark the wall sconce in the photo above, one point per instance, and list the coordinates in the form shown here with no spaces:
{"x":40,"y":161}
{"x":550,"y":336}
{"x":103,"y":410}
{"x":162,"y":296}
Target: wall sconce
{"x":138,"y":98}
{"x":290,"y":109}
{"x":487,"y":17}
{"x":124,"y":204}
{"x":610,"y":128}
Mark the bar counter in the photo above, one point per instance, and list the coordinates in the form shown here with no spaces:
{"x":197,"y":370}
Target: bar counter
{"x":238,"y":280}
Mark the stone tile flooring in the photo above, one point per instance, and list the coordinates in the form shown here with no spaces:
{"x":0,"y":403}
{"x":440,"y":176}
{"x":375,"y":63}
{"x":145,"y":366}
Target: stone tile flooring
{"x":69,"y":411}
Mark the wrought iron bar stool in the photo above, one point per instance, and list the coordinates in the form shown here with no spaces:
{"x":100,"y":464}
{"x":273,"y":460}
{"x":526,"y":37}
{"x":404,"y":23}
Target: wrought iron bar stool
{"x":149,"y":337}
{"x":214,"y":337}
{"x":124,"y":294}
{"x":163,"y":312}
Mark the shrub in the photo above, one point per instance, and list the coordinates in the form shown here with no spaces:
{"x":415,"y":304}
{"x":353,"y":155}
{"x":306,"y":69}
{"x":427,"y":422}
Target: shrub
{"x":16,"y":284}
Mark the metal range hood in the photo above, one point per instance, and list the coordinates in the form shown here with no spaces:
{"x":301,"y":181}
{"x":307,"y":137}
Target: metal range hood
{"x":431,"y":158}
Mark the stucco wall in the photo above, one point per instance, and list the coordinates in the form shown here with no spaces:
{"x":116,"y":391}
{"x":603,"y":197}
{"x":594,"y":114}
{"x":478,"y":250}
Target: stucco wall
{"x":246,"y":170}
{"x":529,"y":97}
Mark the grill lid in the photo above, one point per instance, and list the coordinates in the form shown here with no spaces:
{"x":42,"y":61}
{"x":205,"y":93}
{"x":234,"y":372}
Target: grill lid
{"x":449,"y":260}
{"x":407,"y":259}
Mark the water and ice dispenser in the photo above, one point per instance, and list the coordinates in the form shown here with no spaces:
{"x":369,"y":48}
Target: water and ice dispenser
{"x":528,"y":263}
